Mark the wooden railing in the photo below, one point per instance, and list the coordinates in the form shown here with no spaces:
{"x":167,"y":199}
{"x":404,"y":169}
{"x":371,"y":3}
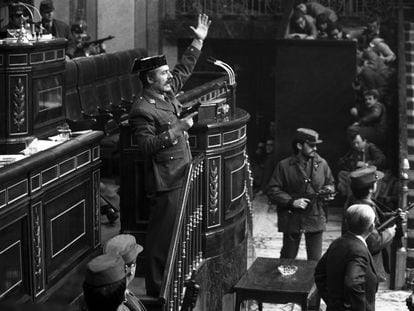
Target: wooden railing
{"x":185,"y":254}
{"x":258,"y":8}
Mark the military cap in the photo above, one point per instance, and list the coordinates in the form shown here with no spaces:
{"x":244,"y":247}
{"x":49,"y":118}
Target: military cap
{"x":15,"y":9}
{"x":125,"y":246}
{"x":46,"y":6}
{"x":364,"y":177}
{"x":148,"y":63}
{"x":307,"y":135}
{"x":104,"y":270}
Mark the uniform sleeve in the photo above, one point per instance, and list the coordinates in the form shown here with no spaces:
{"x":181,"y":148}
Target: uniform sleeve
{"x":329,"y":179}
{"x":275,"y":190}
{"x":183,"y":70}
{"x":144,"y":130}
{"x":320,"y":276}
{"x":377,"y":241}
{"x":354,"y":283}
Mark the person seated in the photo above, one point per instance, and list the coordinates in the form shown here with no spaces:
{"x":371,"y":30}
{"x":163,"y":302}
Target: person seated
{"x":57,"y":28}
{"x":302,"y":26}
{"x":362,"y":154}
{"x":323,"y":24}
{"x":126,"y":246}
{"x":336,"y":32}
{"x":314,"y":9}
{"x":105,"y":284}
{"x":16,"y":20}
{"x":371,"y":118}
{"x":371,"y":39}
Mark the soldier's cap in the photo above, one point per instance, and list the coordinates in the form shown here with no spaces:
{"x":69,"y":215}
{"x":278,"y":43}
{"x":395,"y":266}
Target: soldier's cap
{"x":78,"y":28}
{"x":46,"y":6}
{"x":148,"y":63}
{"x":104,"y":270}
{"x":15,"y":9}
{"x":308,"y":135}
{"x":125,"y":246}
{"x":364,"y":177}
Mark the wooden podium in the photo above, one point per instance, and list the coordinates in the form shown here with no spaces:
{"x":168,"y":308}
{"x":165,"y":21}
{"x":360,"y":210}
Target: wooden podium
{"x":31,"y":91}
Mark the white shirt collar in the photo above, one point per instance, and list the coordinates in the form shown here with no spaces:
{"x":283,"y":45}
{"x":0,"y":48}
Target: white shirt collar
{"x":360,"y":237}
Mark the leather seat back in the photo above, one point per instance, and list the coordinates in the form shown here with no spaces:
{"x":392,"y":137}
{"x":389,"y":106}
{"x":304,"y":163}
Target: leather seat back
{"x":73,"y":110}
{"x":86,"y":84}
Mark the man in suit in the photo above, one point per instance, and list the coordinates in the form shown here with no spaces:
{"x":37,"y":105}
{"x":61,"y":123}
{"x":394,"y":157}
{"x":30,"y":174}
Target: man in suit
{"x":295,"y":187}
{"x":162,"y":138}
{"x":55,"y":27}
{"x":345,"y":275}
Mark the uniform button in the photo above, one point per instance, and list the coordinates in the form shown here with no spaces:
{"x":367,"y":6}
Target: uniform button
{"x":171,"y":158}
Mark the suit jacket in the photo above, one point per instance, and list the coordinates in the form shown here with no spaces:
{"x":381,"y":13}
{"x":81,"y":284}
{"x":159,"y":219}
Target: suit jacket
{"x":150,"y":119}
{"x":371,"y":155}
{"x":288,"y":183}
{"x":346,"y":277}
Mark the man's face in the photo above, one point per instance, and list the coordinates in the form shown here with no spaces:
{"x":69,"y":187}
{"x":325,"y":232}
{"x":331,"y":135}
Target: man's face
{"x":358,"y":143}
{"x":301,"y":23}
{"x":47,"y":16}
{"x":373,"y":27}
{"x":302,"y":7}
{"x":16,"y":20}
{"x":160,"y":80}
{"x":336,"y":34}
{"x":370,"y":100}
{"x":270,"y":144}
{"x":307,"y":150}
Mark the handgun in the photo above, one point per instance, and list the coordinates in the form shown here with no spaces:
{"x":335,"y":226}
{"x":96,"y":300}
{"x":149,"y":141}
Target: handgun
{"x":189,"y":110}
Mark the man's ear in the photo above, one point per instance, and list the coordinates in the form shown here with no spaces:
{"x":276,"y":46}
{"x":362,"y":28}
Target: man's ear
{"x":299,"y":146}
{"x":371,"y":228}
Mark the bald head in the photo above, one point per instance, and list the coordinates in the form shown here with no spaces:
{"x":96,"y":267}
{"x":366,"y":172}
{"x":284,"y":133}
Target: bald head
{"x":360,"y":218}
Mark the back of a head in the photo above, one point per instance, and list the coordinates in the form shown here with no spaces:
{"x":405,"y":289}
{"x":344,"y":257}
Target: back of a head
{"x":105,"y":283}
{"x":359,"y":218}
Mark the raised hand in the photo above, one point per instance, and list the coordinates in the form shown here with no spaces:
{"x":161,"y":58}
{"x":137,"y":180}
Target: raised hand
{"x":202,"y":28}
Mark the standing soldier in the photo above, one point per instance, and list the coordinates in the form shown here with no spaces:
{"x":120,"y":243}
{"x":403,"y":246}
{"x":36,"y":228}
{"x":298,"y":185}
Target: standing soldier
{"x":299,"y":187}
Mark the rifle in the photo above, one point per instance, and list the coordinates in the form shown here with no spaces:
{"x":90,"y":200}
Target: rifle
{"x":190,"y":297}
{"x":322,"y":195}
{"x":391,"y":221}
{"x":98,"y":41}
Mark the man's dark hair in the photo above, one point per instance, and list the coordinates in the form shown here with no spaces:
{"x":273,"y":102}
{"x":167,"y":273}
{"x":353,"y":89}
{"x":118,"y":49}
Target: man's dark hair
{"x":295,"y":141}
{"x":354,"y":134}
{"x":322,"y":19}
{"x":104,"y":298}
{"x":361,"y":193}
{"x":373,"y":92}
{"x":297,"y":14}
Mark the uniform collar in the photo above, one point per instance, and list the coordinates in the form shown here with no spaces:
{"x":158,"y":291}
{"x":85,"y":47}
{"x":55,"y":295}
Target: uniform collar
{"x":158,"y":100}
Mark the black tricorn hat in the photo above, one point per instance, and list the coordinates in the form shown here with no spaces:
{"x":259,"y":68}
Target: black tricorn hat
{"x":15,"y":9}
{"x":46,"y":6}
{"x":148,"y":63}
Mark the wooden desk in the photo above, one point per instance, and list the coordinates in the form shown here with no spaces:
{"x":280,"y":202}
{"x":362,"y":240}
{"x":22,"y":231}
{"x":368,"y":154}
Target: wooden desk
{"x":264,"y":283}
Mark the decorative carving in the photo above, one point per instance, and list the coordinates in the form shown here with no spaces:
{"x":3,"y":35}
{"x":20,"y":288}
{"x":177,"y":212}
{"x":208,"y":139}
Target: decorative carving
{"x":18,"y":96}
{"x":96,"y":207}
{"x":37,"y":248}
{"x":213,"y":190}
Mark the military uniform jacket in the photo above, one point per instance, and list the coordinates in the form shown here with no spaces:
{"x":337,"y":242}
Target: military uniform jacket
{"x":289,"y":183}
{"x":346,"y":277}
{"x":150,"y":119}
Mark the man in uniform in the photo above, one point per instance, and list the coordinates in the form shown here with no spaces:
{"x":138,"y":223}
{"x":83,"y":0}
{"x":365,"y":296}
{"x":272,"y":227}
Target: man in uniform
{"x":296,"y":187}
{"x":126,"y":246}
{"x":55,"y":27}
{"x":16,"y":20}
{"x":162,"y":137}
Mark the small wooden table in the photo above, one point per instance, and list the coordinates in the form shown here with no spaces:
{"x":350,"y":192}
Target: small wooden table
{"x":264,"y":283}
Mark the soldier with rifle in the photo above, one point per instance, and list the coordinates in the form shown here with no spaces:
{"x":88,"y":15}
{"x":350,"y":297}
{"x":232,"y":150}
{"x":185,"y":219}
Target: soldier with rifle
{"x":83,"y":46}
{"x":300,"y":186}
{"x":363,"y":186}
